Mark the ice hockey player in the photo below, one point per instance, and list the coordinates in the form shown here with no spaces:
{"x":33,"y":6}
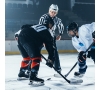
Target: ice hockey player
{"x":31,"y":39}
{"x":53,"y":11}
{"x":82,"y":38}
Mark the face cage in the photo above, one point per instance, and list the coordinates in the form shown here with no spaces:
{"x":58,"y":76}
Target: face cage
{"x":71,"y":35}
{"x":68,"y":34}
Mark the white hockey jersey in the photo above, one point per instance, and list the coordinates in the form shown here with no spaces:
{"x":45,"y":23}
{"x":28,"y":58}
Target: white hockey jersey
{"x":85,"y":37}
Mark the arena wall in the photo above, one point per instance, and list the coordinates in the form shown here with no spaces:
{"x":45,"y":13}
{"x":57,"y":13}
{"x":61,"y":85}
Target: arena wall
{"x":64,"y":46}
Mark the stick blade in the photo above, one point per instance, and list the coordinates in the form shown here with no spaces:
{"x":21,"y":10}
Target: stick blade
{"x":36,"y":84}
{"x":76,"y":81}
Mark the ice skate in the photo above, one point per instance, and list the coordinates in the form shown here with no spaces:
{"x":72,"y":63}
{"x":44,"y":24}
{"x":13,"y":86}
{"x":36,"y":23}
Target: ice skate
{"x":23,"y":75}
{"x":35,"y":81}
{"x":78,"y":75}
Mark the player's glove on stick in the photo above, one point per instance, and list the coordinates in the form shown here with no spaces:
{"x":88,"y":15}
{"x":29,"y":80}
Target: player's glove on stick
{"x":81,"y":56}
{"x":89,"y":54}
{"x":49,"y":63}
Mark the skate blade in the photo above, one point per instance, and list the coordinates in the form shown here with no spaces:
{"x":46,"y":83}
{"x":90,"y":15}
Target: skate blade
{"x":80,"y":76}
{"x":36,"y":84}
{"x":21,"y":78}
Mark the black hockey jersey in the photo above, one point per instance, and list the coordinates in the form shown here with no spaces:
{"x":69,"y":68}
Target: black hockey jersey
{"x":39,"y":34}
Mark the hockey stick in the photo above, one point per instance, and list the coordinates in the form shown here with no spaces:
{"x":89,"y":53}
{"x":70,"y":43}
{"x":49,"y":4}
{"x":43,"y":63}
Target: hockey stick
{"x":77,"y":61}
{"x":69,"y":81}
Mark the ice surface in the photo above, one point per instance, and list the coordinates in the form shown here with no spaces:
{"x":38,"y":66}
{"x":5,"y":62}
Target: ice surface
{"x":12,"y":65}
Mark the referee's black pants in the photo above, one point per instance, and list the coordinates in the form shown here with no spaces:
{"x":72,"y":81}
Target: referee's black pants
{"x":57,"y":60}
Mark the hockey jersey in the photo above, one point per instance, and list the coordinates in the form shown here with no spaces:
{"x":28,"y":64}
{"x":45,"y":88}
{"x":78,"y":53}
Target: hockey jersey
{"x":38,"y":34}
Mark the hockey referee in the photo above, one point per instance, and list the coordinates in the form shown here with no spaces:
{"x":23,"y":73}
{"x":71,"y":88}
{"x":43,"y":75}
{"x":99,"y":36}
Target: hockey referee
{"x":53,"y":11}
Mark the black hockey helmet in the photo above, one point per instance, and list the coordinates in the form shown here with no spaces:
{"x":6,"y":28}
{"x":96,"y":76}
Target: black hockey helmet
{"x":72,"y":26}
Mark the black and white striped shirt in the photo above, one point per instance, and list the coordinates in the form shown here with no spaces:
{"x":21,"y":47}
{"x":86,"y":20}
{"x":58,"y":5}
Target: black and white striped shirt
{"x":57,"y":23}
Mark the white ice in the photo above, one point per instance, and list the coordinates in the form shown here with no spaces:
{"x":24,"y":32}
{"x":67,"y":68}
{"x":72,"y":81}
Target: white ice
{"x":12,"y":65}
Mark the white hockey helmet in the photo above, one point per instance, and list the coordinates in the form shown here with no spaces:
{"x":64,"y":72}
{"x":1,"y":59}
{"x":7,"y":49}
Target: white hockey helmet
{"x":53,"y":7}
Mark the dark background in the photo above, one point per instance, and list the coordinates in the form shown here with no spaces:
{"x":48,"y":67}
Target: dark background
{"x":18,"y":14}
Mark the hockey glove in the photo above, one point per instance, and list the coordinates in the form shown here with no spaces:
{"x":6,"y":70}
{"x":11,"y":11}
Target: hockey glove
{"x":49,"y":63}
{"x":81,"y":56}
{"x":16,"y":37}
{"x":89,"y":54}
{"x":58,"y":37}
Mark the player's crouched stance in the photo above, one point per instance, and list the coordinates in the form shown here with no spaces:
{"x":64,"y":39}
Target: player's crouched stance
{"x":82,"y":38}
{"x":31,"y":39}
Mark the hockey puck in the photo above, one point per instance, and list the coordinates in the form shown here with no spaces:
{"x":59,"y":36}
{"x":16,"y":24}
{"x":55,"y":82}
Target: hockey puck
{"x":49,"y":79}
